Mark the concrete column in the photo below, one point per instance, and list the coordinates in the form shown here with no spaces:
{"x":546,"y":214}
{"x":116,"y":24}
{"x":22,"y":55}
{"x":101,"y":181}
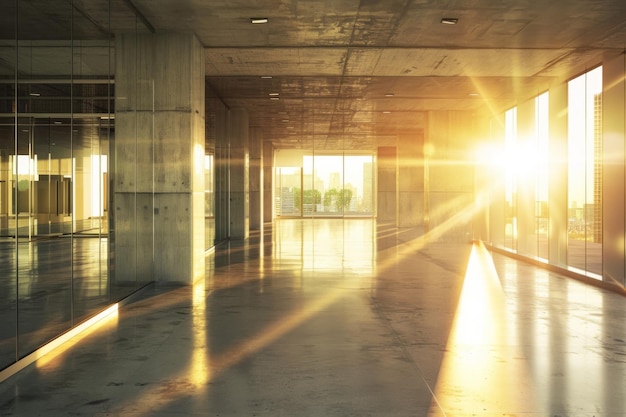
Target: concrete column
{"x":268,"y":187}
{"x":159,"y":148}
{"x":526,"y":180}
{"x":222,"y":177}
{"x":557,"y":187}
{"x":411,"y":180}
{"x":613,"y":184}
{"x":387,"y":184}
{"x":256,"y":179}
{"x":450,"y":144}
{"x":238,"y":135}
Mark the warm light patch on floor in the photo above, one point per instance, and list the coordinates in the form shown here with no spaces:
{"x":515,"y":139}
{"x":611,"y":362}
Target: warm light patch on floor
{"x":483,"y":372}
{"x":45,"y":356}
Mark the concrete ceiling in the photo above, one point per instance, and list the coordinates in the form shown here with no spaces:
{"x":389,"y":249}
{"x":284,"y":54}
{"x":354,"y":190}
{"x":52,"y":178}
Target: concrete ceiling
{"x":355,"y":73}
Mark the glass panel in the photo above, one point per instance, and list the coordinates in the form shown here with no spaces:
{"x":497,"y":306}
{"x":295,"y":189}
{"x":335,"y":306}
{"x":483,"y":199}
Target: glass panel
{"x":288,"y":191}
{"x":44,"y":261}
{"x":584,"y":248}
{"x":312,"y":197}
{"x":55,"y":188}
{"x":359,"y":174}
{"x":8,"y":250}
{"x":328,"y":173}
{"x":91,"y":125}
{"x":510,"y":212}
{"x":541,"y":169}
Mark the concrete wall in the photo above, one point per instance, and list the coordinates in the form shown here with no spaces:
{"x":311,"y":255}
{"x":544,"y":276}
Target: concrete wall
{"x":256,"y":179}
{"x":411,"y":180}
{"x":450,"y":142}
{"x":238,"y":137}
{"x":387,"y":197}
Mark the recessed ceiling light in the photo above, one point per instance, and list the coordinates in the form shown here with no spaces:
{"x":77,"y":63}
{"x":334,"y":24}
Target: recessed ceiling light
{"x":266,"y":77}
{"x":58,"y":122}
{"x":285,"y":120}
{"x":258,"y":20}
{"x":389,"y":95}
{"x":34,"y":94}
{"x":274,"y":98}
{"x":274,"y":94}
{"x":450,"y":20}
{"x":386,"y":112}
{"x":473,"y":94}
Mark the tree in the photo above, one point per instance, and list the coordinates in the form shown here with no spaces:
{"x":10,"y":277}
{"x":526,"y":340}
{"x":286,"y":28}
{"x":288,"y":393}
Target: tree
{"x":340,"y":199}
{"x":344,"y":198}
{"x":296,"y":198}
{"x":310,"y":197}
{"x":330,"y":197}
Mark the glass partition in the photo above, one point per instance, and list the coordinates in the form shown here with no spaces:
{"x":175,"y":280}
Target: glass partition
{"x":56,"y":139}
{"x":44,"y":273}
{"x":8,"y":243}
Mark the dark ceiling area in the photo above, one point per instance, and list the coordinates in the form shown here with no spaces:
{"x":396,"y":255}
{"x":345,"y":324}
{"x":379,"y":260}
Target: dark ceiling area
{"x":350,"y":73}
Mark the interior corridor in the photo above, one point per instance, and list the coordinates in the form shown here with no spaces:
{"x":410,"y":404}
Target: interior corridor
{"x":334,"y":317}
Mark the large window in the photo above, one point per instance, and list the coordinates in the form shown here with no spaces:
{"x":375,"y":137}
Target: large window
{"x":510,"y":194}
{"x":287,"y":192}
{"x":584,"y":210}
{"x":525,"y":172}
{"x":327,"y":185}
{"x":541,"y":170}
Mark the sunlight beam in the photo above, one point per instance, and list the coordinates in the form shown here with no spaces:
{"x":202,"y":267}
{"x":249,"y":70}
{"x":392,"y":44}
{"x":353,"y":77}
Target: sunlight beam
{"x":483,"y":371}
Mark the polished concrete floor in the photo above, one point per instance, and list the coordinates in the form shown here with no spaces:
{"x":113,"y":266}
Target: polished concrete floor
{"x":345,"y":318}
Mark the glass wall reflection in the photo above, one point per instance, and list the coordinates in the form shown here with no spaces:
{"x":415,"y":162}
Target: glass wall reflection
{"x":56,"y":146}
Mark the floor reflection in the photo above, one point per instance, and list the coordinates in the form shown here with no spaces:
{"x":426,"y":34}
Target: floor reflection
{"x":334,"y":317}
{"x":48,"y":285}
